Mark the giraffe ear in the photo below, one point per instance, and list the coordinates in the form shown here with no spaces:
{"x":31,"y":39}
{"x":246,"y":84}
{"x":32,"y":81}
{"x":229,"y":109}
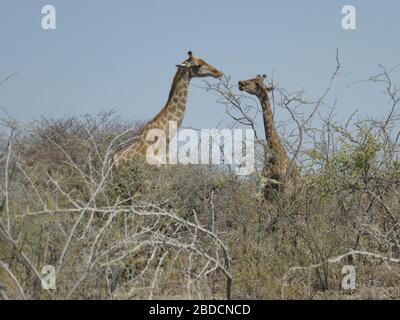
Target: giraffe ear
{"x":182,"y":65}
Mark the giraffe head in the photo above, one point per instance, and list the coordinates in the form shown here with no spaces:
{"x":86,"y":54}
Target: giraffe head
{"x":198,"y":68}
{"x":254,"y":86}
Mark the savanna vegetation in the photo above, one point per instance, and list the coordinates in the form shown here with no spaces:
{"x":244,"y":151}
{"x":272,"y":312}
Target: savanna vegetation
{"x":200,"y":231}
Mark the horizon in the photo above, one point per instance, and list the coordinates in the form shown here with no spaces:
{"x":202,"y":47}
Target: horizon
{"x":114,"y":56}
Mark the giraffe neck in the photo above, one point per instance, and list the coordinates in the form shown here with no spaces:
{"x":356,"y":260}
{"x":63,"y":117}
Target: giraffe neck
{"x":175,"y":107}
{"x":176,"y":104}
{"x":173,"y":110}
{"x":273,"y":139}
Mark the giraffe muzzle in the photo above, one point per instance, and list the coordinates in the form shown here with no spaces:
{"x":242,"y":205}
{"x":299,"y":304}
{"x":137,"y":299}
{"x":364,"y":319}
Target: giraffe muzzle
{"x":219,"y":74}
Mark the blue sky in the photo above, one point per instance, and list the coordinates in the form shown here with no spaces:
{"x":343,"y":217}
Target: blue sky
{"x":121,"y":54}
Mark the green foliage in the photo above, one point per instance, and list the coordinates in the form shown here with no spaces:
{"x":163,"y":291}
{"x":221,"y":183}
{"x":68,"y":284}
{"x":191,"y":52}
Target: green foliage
{"x":345,"y":169}
{"x":328,"y":212}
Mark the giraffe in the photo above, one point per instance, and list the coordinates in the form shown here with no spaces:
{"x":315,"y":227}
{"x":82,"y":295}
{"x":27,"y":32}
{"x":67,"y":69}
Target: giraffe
{"x":278,"y":170}
{"x":173,"y":110}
